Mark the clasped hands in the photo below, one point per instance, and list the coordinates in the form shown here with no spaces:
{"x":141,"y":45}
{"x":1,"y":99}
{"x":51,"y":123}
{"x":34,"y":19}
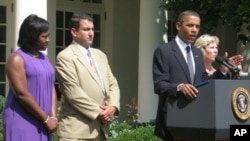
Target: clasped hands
{"x":107,"y":114}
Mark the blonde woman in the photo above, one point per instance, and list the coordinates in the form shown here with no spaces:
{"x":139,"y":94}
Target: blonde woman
{"x":209,"y":47}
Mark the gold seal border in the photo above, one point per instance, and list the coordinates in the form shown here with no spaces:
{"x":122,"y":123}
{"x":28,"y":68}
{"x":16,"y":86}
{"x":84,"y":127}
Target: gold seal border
{"x":237,"y":91}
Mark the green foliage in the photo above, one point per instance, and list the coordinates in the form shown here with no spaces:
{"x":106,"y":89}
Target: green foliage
{"x":234,"y":13}
{"x":2,"y":102}
{"x":116,"y":128}
{"x":132,"y":111}
{"x":54,"y":137}
{"x":132,"y":129}
{"x":206,"y":8}
{"x":123,"y":131}
{"x":141,"y":133}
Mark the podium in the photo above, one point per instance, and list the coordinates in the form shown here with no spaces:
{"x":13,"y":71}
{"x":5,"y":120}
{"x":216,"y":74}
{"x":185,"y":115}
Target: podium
{"x":209,"y":116}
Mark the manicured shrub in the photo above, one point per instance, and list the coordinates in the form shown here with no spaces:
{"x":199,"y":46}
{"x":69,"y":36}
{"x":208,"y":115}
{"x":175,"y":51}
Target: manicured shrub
{"x":123,"y":131}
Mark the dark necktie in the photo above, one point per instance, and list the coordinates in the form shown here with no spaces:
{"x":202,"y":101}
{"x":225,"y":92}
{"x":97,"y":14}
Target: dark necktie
{"x":190,"y":63}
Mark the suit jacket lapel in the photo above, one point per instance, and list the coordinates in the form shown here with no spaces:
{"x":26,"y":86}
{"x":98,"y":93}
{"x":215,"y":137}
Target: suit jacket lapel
{"x":180,"y":58}
{"x":101,"y":67}
{"x":85,"y":62}
{"x":197,"y":58}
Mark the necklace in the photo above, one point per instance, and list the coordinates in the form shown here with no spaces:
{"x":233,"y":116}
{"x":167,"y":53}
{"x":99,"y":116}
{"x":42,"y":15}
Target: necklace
{"x":35,"y":55}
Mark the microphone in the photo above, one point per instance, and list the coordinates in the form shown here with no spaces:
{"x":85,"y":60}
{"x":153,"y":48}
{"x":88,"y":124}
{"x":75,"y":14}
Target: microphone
{"x":225,"y":61}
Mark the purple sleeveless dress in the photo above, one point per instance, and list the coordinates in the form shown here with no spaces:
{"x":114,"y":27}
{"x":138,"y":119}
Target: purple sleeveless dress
{"x":18,"y":124}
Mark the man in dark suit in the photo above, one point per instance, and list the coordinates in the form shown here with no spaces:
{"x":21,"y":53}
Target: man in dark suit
{"x":171,"y":72}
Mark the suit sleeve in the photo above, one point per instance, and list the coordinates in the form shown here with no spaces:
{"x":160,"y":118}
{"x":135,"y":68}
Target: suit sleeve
{"x":113,"y":98}
{"x":161,"y":74}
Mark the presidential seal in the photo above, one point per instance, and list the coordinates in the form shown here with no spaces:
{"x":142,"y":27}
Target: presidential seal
{"x":240,"y":103}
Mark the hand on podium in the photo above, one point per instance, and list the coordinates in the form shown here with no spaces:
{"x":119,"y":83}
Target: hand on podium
{"x":188,"y":90}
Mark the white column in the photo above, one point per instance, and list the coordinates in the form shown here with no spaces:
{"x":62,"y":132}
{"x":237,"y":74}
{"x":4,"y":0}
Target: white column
{"x":109,"y":27}
{"x":23,"y":8}
{"x":51,"y":9}
{"x":151,"y":35}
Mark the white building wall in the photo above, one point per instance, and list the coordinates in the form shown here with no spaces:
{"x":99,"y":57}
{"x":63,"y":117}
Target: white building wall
{"x":51,"y":9}
{"x":151,"y":35}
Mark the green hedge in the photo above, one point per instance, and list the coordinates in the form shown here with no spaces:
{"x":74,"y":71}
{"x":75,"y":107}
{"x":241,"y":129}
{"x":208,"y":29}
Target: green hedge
{"x":123,"y":131}
{"x":2,"y":101}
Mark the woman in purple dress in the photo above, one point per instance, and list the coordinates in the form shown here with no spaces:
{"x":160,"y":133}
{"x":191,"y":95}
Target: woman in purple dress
{"x":31,"y":105}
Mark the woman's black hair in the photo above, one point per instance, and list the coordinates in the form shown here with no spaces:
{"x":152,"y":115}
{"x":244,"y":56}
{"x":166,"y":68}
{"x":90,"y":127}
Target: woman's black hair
{"x":30,"y":30}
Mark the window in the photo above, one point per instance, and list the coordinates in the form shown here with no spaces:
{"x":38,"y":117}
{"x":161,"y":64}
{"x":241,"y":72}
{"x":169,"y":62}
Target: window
{"x":3,"y":42}
{"x":63,"y":37}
